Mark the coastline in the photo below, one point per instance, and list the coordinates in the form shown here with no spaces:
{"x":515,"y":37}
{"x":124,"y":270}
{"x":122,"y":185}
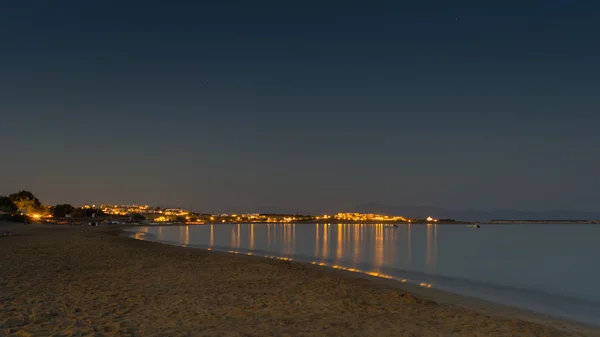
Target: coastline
{"x":421,"y":290}
{"x":64,"y":279}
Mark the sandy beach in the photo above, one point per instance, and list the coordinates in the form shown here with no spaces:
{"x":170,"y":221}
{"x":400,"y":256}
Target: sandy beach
{"x":89,"y":281}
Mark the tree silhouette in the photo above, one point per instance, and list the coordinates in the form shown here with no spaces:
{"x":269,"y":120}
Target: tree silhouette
{"x":26,"y":201}
{"x":61,"y":210}
{"x":7,"y":205}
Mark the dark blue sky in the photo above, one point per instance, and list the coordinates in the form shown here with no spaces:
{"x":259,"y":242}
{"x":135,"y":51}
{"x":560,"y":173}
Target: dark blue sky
{"x":312,"y":105}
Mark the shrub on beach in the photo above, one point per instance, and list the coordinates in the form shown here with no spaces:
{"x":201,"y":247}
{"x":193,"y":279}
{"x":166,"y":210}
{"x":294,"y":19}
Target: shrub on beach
{"x":7,"y":205}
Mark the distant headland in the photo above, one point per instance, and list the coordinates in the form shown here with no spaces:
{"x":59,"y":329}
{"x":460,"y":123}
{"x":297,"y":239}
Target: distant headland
{"x":500,"y":221}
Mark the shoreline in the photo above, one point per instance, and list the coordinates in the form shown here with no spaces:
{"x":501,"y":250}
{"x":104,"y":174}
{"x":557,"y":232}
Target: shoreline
{"x":424,"y":292}
{"x":60,"y":279}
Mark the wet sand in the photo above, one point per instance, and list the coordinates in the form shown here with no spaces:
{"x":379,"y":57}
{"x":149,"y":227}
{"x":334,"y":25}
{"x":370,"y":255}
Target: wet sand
{"x":90,"y":281}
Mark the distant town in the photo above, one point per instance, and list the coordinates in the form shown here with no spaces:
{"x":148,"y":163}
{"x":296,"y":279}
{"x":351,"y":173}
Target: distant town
{"x":23,"y":206}
{"x":157,"y":215}
{"x":165,"y":215}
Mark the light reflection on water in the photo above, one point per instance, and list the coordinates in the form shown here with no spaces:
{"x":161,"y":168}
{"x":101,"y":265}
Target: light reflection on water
{"x":141,"y":233}
{"x":431,"y":246}
{"x":408,"y":247}
{"x":354,"y":244}
{"x":317,"y":241}
{"x":339,"y":243}
{"x":251,"y":236}
{"x":533,"y":261}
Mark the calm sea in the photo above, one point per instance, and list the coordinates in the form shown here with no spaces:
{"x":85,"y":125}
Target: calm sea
{"x":550,"y":269}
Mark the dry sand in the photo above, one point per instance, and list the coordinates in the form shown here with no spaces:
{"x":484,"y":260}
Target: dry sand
{"x":89,"y":281}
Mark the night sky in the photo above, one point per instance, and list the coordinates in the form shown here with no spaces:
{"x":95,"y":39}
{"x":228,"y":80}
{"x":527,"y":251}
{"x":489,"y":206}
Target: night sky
{"x":302,"y":105}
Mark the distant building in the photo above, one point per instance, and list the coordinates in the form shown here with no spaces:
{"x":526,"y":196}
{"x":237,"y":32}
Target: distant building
{"x":175,"y":211}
